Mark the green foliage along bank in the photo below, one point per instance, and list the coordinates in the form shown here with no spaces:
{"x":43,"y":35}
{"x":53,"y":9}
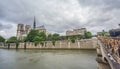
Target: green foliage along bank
{"x":41,"y":38}
{"x":13,"y":40}
{"x":2,"y":39}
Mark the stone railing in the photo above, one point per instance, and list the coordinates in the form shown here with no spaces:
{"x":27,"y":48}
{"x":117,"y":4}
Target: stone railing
{"x":111,"y":45}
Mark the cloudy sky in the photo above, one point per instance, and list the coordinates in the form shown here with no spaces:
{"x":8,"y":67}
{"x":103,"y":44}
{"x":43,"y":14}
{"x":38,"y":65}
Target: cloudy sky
{"x":59,"y":15}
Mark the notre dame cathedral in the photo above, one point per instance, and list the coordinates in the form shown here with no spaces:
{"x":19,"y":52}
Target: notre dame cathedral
{"x":23,"y":30}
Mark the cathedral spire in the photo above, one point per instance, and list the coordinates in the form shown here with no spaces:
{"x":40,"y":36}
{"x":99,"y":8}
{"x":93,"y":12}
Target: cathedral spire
{"x":34,"y":24}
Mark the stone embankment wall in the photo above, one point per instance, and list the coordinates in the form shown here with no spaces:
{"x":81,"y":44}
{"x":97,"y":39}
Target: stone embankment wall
{"x":79,"y":44}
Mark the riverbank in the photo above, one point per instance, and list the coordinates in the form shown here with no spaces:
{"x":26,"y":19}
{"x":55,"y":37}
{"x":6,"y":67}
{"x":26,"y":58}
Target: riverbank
{"x":59,"y":45}
{"x":51,"y":48}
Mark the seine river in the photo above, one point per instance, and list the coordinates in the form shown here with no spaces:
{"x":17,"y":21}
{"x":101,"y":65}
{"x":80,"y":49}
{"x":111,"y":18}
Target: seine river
{"x":47,"y":59}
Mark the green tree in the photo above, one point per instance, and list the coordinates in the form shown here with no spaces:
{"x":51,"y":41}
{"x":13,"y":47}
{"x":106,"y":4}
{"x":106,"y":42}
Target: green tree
{"x":17,"y":43}
{"x":36,"y":40}
{"x":78,"y":37}
{"x":53,"y":42}
{"x":42,"y":36}
{"x":13,"y":40}
{"x":55,"y":34}
{"x":88,"y":35}
{"x":2,"y":39}
{"x":73,"y":38}
{"x":32,"y":35}
{"x":49,"y":37}
{"x":55,"y":37}
{"x":25,"y":45}
{"x":105,"y":34}
{"x":25,"y":41}
{"x":63,"y":37}
{"x":40,"y":39}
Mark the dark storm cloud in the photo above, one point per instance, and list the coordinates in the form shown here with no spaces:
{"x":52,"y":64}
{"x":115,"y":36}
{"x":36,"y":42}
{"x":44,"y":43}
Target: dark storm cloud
{"x":60,"y":15}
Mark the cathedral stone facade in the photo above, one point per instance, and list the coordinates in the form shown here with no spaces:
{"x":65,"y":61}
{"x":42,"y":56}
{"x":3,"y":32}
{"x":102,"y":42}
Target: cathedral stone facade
{"x":23,"y":30}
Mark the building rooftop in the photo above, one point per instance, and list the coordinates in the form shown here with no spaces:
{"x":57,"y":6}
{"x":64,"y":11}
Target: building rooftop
{"x":41,"y":27}
{"x":118,"y":29}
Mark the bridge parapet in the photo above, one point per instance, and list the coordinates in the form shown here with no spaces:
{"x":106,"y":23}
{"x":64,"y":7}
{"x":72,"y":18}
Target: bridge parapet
{"x":110,"y":53}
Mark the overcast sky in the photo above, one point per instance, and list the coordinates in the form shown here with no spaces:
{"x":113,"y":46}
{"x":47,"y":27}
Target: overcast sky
{"x":59,"y":15}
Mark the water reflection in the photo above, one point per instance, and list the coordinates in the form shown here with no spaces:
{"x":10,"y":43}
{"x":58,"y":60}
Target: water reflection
{"x":47,"y":59}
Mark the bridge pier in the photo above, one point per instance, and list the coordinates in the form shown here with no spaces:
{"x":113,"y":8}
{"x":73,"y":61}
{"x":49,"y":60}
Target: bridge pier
{"x":101,"y":60}
{"x":99,"y":53}
{"x":102,"y":64}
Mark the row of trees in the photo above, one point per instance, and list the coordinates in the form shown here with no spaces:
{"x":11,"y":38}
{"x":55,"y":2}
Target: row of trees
{"x":104,"y":34}
{"x":41,"y":38}
{"x":10,"y":40}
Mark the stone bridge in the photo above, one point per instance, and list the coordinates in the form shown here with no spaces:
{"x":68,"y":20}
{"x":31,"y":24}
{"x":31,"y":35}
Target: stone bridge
{"x":105,"y":59}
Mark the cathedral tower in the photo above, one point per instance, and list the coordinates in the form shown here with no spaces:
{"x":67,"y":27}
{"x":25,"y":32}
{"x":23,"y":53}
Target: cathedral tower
{"x":27,"y":29}
{"x":20,"y":31}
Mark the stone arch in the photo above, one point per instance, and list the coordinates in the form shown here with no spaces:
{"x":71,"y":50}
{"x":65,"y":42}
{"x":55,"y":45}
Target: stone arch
{"x":105,"y":59}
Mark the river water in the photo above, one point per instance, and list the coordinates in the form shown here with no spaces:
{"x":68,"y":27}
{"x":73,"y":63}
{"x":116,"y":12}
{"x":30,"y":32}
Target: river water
{"x":47,"y":59}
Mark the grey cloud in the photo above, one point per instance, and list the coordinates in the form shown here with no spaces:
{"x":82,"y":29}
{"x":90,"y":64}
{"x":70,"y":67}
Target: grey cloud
{"x":61,"y":15}
{"x":2,"y":26}
{"x":106,"y":5}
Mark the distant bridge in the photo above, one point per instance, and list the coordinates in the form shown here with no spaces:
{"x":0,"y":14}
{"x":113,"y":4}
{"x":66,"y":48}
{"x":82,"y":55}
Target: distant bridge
{"x":105,"y":59}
